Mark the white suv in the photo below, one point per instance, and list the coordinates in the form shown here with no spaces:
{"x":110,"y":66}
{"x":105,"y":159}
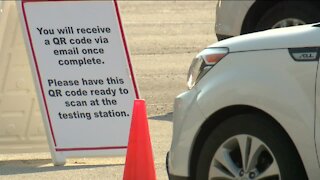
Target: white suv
{"x":252,"y":109}
{"x":240,"y":17}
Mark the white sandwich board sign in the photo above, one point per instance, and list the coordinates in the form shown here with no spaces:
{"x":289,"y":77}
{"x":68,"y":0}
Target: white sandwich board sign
{"x":83,"y":75}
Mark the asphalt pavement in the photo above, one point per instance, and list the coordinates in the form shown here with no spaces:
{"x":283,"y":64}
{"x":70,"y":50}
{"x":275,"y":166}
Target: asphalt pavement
{"x":163,"y":37}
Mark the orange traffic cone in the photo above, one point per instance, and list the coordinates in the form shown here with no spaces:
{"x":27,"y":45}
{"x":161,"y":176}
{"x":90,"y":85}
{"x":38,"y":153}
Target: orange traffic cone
{"x":139,"y":160}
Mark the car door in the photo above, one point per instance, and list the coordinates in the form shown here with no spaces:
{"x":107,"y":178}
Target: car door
{"x":317,"y":112}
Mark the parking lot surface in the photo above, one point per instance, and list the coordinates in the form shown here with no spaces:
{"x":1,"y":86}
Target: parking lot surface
{"x":163,"y":37}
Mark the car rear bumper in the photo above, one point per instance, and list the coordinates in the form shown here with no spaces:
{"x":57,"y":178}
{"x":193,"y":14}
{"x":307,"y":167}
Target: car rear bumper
{"x":230,"y":16}
{"x":221,"y":37}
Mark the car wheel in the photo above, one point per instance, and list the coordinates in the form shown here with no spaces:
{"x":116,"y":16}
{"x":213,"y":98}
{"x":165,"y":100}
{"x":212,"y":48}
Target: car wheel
{"x":285,"y":14}
{"x":249,"y":147}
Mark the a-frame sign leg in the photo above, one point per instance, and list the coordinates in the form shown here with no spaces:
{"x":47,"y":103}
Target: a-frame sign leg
{"x":58,"y":159}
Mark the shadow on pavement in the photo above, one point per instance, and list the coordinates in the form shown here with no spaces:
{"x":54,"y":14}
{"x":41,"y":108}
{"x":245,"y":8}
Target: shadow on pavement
{"x":166,"y":117}
{"x":15,"y":167}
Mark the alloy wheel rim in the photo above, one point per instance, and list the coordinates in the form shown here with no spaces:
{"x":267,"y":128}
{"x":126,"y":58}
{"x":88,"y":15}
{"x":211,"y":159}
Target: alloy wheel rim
{"x":288,"y":22}
{"x":244,"y":157}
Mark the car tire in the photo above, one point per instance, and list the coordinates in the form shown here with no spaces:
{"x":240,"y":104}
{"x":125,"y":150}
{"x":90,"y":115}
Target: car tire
{"x":275,"y":150}
{"x":303,"y":12}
